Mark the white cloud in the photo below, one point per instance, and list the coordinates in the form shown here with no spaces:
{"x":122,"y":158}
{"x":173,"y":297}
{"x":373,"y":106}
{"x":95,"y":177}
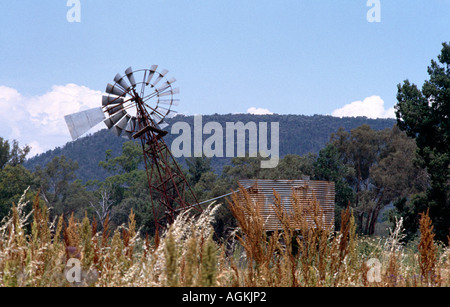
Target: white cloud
{"x":259,"y":111}
{"x":371,"y":107}
{"x":38,"y":121}
{"x":35,"y":148}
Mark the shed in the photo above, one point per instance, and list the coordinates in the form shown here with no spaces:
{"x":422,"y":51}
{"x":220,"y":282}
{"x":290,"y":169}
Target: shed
{"x":262,"y":192}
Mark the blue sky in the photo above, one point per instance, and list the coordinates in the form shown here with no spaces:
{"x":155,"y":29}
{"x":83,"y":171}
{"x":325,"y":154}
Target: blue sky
{"x":283,"y":56}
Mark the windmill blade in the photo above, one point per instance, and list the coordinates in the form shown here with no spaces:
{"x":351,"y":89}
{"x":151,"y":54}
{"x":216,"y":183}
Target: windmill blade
{"x":111,"y":99}
{"x":115,"y":90}
{"x":171,"y":92}
{"x":130,"y":128}
{"x":156,"y":118}
{"x":170,"y":102}
{"x":114,"y":109}
{"x":131,"y":125}
{"x":80,"y":123}
{"x":163,"y":125}
{"x":130,"y":76}
{"x":111,"y":121}
{"x":162,"y":110}
{"x":121,"y":124}
{"x":151,"y":74}
{"x":161,"y":75}
{"x":171,"y":114}
{"x":127,"y":135}
{"x":121,"y":81}
{"x":166,"y":85}
{"x":168,"y":113}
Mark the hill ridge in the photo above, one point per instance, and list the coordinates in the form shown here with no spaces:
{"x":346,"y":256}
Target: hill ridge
{"x":298,"y":134}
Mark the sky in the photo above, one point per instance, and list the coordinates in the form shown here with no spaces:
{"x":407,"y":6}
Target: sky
{"x":228,"y":56}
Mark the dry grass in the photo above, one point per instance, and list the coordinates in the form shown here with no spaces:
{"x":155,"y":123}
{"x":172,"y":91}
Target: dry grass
{"x":35,"y":251}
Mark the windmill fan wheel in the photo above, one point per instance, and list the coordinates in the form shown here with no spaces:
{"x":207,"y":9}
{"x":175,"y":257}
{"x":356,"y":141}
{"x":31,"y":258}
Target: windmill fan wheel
{"x":146,"y":92}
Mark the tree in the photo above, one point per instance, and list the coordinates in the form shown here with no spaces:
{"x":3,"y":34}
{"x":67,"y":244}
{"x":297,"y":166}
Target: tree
{"x":102,"y":208}
{"x":4,"y":152}
{"x":243,"y":168}
{"x":425,"y":116}
{"x":14,"y":178}
{"x":292,"y":167}
{"x":130,"y":159}
{"x":60,"y":189}
{"x":396,"y":174}
{"x":197,"y":166}
{"x":359,"y":150}
{"x":381,"y":170}
{"x":330,"y":167}
{"x":54,"y":179}
{"x":12,"y":155}
{"x":125,"y":190}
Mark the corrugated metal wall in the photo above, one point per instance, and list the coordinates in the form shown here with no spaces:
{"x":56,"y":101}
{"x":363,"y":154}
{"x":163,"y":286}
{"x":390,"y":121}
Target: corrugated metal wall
{"x":301,"y":191}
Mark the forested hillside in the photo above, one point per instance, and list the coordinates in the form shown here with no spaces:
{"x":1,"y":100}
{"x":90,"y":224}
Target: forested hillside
{"x":299,"y":135}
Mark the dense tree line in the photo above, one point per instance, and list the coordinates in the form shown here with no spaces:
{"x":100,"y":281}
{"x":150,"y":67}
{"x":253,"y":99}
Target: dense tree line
{"x":14,"y":177}
{"x":372,"y":169}
{"x":299,"y":135}
{"x":425,"y":116}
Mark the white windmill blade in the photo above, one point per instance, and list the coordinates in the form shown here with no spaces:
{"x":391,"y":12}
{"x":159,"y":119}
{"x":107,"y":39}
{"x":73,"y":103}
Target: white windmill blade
{"x":130,"y":128}
{"x":156,"y":118}
{"x":121,"y":81}
{"x":114,"y":109}
{"x":171,"y":92}
{"x":130,"y":76}
{"x":131,"y":125}
{"x":163,"y":125}
{"x":152,"y":73}
{"x":111,"y":99}
{"x":166,"y":85}
{"x":168,"y":113}
{"x":127,"y":135}
{"x":115,"y":90}
{"x":81,"y":122}
{"x":161,"y":75}
{"x":111,"y":121}
{"x":121,"y":124}
{"x":170,"y":102}
{"x":171,"y":114}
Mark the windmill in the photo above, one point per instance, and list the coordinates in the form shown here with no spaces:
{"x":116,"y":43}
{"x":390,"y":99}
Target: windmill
{"x":135,"y":107}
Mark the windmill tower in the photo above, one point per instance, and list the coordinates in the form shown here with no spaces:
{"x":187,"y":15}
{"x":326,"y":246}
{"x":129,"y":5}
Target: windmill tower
{"x":135,"y":107}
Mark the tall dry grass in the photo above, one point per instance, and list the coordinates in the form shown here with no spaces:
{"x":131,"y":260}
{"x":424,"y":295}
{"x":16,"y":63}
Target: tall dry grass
{"x":35,"y":251}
